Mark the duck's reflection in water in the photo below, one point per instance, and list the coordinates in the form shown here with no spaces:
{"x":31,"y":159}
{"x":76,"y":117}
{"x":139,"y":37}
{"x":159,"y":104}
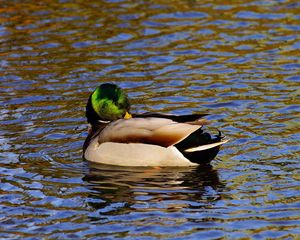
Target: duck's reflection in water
{"x":119,"y":190}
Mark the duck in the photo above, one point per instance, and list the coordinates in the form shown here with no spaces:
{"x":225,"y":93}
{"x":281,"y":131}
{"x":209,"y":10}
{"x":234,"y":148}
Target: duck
{"x":118,"y":137}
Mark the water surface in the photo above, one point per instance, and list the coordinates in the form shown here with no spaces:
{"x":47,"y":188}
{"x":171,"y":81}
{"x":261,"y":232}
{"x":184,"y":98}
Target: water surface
{"x":237,"y":60}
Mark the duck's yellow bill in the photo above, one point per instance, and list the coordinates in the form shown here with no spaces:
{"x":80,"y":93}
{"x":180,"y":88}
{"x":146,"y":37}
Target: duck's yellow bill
{"x":127,"y":115}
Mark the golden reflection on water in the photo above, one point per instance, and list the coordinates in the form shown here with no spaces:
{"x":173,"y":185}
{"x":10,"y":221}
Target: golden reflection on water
{"x":237,"y":60}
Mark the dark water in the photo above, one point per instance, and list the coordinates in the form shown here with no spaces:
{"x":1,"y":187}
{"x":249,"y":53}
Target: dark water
{"x":239,"y":60}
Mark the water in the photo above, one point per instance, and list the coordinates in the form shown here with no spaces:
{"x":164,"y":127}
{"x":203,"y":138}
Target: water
{"x":239,"y":61}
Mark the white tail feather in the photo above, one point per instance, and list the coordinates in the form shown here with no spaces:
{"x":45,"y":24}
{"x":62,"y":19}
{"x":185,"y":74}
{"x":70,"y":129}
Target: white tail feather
{"x":207,"y":146}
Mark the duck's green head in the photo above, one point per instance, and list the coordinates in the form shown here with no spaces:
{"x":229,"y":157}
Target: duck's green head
{"x":107,"y":103}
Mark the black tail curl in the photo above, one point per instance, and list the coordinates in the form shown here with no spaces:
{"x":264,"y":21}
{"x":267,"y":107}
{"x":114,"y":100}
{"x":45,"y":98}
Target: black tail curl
{"x":199,"y":138}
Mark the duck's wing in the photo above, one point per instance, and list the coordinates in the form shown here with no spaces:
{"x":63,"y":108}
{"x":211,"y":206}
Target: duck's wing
{"x":176,"y":118}
{"x":151,"y":130}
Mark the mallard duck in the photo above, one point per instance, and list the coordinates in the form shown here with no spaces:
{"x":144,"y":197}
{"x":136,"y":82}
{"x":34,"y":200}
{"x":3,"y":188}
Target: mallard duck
{"x":118,"y":137}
